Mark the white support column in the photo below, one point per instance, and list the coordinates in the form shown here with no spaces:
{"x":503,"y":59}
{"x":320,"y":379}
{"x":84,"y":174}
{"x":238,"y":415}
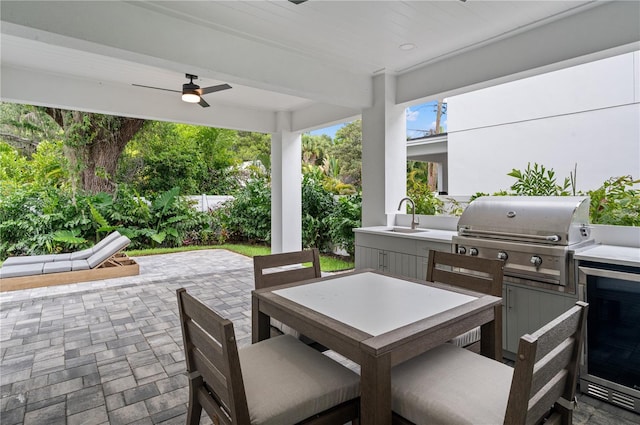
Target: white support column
{"x":384,"y":153}
{"x":286,"y":190}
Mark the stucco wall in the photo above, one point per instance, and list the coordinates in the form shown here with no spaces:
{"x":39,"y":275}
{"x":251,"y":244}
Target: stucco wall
{"x":587,"y":115}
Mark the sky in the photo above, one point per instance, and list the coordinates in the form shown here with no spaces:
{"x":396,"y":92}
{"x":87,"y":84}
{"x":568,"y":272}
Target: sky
{"x":420,"y":119}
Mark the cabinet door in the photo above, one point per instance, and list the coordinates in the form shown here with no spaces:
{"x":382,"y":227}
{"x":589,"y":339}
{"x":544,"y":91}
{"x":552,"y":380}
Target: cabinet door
{"x":400,"y":264}
{"x":527,"y":310}
{"x":369,"y":258}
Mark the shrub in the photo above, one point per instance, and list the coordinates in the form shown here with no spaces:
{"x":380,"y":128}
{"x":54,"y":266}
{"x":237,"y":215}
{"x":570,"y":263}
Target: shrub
{"x":346,"y":216}
{"x":616,"y":202}
{"x":248,"y":215}
{"x":317,"y":204}
{"x":425,"y":201}
{"x":537,"y":181}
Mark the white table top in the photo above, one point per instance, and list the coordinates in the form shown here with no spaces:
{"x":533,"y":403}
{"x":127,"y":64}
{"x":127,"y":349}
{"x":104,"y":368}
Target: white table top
{"x":372,"y":302}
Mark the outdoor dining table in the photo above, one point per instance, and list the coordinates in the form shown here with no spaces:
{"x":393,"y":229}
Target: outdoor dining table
{"x":377,"y":320}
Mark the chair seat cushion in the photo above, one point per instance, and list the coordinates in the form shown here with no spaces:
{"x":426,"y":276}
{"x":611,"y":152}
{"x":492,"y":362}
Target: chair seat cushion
{"x":287,"y":381}
{"x":451,"y":385}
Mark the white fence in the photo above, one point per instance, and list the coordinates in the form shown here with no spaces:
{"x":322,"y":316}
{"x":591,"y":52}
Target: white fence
{"x":208,"y":202}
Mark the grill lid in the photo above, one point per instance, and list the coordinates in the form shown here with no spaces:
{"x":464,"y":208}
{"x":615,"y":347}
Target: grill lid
{"x":557,"y":220}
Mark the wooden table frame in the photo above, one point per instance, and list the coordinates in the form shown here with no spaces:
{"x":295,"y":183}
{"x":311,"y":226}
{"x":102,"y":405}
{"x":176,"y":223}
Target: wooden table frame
{"x":376,"y":355}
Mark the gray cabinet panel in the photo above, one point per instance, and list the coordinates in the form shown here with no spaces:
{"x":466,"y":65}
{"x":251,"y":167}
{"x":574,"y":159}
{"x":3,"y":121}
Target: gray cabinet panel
{"x":528,"y":309}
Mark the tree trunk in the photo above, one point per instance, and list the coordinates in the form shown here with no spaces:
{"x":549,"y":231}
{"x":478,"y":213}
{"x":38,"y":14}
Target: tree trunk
{"x":93,"y":145}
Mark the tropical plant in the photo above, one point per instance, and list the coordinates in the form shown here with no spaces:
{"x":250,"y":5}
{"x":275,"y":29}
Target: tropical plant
{"x":426,"y":202}
{"x":248,"y":215}
{"x":616,"y":202}
{"x":346,"y":216}
{"x":538,"y":181}
{"x":317,"y":204}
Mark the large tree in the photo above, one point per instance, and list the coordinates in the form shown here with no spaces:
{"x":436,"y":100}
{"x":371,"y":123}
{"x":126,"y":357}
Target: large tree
{"x":93,"y":144}
{"x":24,"y":126}
{"x":347,"y":149}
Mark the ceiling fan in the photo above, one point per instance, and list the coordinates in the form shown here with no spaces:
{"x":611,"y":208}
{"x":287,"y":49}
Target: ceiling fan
{"x":192,"y":93}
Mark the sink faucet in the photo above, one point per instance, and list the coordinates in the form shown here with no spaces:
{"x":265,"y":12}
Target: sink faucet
{"x":414,"y":223}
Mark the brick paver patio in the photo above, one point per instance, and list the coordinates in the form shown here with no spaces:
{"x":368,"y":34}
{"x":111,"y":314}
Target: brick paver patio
{"x":110,"y":352}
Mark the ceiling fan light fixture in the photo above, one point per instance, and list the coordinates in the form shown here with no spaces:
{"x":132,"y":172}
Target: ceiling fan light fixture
{"x":190,"y":97}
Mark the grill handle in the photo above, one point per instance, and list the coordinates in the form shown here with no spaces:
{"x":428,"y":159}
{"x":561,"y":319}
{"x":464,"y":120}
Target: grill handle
{"x":548,"y":238}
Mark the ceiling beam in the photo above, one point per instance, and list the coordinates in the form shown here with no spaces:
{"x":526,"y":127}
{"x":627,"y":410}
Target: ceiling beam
{"x":52,"y":90}
{"x":608,"y":29}
{"x":124,"y":30}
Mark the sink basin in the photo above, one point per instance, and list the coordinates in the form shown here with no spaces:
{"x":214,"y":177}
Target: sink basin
{"x":406,"y":230}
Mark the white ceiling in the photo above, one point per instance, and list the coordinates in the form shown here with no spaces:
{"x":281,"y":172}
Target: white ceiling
{"x":312,"y":61}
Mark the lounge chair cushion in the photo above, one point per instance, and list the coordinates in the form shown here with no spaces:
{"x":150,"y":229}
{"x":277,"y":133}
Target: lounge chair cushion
{"x":81,"y":255}
{"x":107,"y":251}
{"x":78,"y":255}
{"x":306,"y":381}
{"x":449,"y":384}
{"x":21,"y":270}
{"x":79,"y":265}
{"x":93,"y":261}
{"x":16,"y":261}
{"x":57,"y":267}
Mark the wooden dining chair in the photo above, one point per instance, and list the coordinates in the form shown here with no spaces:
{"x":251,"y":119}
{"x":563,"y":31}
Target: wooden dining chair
{"x":451,"y":385}
{"x":274,"y":382}
{"x":279,"y":274}
{"x":476,"y":274}
{"x":279,"y":269}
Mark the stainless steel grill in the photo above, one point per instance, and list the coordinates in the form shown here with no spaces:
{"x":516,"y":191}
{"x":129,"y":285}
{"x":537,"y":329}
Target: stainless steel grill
{"x":536,"y":236}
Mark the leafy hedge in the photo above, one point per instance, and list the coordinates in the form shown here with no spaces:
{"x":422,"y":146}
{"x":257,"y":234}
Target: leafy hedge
{"x":616,"y":202}
{"x":35,"y":221}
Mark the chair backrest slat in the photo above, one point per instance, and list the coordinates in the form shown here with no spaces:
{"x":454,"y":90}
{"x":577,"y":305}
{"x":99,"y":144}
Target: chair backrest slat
{"x":216,"y":380}
{"x":212,"y":359}
{"x":280,"y":277}
{"x":541,"y":402}
{"x":212,"y":407}
{"x":477,"y":274}
{"x":546,"y":368}
{"x":202,"y":342}
{"x":555,"y":362}
{"x":551,"y":335}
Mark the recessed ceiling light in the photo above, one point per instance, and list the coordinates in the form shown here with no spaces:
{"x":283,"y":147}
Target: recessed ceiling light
{"x":407,"y":46}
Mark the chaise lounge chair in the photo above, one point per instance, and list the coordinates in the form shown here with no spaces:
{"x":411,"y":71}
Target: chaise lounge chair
{"x":105,"y":261}
{"x":79,"y":255}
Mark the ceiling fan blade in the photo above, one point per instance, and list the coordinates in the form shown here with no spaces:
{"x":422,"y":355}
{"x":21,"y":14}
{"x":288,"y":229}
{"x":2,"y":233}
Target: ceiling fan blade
{"x":212,"y":89}
{"x":203,"y":103}
{"x":156,"y":88}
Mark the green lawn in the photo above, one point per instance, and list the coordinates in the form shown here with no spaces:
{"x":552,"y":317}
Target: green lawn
{"x":328,"y":263}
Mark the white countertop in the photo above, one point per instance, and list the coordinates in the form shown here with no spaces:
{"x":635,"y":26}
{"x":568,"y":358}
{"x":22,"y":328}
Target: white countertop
{"x":621,"y":255}
{"x":428,"y":235}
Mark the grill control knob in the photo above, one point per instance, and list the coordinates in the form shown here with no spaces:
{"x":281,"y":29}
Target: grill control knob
{"x":502,"y":256}
{"x":536,"y":260}
{"x":462,"y":250}
{"x":473,"y":251}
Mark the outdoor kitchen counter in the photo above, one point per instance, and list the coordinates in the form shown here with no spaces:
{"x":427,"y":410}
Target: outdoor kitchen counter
{"x":610,"y":254}
{"x":436,"y":235}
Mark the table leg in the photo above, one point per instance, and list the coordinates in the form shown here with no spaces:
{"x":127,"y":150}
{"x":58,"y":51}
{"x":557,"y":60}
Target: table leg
{"x":491,"y":336}
{"x":375,"y":390}
{"x":259,"y":322}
